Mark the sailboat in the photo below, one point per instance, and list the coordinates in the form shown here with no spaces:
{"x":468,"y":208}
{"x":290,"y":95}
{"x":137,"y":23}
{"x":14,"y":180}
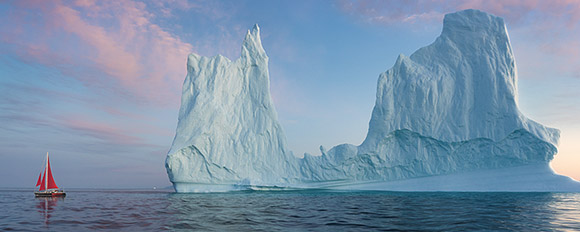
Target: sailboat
{"x":47,"y":185}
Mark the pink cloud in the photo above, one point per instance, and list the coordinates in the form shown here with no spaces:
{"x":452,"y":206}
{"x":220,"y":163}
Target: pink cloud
{"x":111,"y":56}
{"x":137,"y":57}
{"x":119,"y":132}
{"x":105,"y":132}
{"x":519,"y":11}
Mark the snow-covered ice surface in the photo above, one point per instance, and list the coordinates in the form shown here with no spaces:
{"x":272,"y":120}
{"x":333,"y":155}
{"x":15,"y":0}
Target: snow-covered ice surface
{"x":445,"y":119}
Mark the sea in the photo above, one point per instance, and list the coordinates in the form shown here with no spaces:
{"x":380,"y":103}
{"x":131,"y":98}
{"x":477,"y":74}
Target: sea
{"x":307,"y":210}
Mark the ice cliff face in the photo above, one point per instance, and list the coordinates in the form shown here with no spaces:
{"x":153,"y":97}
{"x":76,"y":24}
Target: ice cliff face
{"x":449,"y":108}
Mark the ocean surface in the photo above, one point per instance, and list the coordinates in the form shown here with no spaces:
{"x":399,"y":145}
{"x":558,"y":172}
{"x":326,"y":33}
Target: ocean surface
{"x":134,"y":210}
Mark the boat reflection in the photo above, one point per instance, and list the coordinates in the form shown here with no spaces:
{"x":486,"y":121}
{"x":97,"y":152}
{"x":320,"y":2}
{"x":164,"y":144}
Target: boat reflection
{"x":46,"y":206}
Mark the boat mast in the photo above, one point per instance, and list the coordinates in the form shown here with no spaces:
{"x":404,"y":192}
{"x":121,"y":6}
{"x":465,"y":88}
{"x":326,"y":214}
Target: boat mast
{"x":46,"y":170}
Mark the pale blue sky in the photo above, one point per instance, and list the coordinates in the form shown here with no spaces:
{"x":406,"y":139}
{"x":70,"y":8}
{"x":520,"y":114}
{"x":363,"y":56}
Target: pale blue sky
{"x":98,"y":84}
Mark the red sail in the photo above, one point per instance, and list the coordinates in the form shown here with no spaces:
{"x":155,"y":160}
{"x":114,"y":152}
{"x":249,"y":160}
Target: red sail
{"x":38,"y":182}
{"x":51,"y":184}
{"x":42,"y":185}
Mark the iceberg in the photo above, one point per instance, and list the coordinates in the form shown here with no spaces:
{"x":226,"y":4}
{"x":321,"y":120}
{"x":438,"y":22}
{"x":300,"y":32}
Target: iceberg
{"x":445,"y":119}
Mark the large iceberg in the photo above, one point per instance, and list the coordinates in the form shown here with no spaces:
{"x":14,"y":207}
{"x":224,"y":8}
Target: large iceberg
{"x":445,"y":119}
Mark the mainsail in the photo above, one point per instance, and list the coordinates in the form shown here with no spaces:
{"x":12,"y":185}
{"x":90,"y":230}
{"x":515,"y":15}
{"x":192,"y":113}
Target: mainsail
{"x":47,"y":181}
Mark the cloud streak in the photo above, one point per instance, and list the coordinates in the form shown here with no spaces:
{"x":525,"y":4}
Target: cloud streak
{"x":414,"y":11}
{"x":118,"y":39}
{"x":102,"y":131}
{"x":549,"y":28}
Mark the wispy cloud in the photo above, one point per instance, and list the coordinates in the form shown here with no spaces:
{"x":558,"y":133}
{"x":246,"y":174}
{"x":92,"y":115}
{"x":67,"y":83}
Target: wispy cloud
{"x":551,"y":28}
{"x":135,"y":56}
{"x":103,"y":131}
{"x":515,"y":11}
{"x":393,"y":12}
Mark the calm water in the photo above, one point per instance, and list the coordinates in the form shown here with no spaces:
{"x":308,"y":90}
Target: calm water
{"x":292,"y":210}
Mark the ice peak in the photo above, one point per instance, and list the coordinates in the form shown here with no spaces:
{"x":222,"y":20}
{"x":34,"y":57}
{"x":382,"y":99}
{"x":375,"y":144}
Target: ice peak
{"x":401,"y":59}
{"x":255,"y":30}
{"x":472,"y":21}
{"x":252,"y":45}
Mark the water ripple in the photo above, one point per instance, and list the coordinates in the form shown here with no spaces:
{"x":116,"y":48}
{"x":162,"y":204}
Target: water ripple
{"x":292,"y":210}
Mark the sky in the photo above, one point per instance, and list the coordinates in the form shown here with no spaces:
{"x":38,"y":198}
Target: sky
{"x":98,"y":83}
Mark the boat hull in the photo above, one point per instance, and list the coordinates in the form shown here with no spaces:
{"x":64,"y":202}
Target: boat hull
{"x":50,"y":194}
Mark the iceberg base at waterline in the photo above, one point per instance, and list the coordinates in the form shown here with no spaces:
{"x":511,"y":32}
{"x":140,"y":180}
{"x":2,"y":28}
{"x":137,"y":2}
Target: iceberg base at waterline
{"x":528,"y":178}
